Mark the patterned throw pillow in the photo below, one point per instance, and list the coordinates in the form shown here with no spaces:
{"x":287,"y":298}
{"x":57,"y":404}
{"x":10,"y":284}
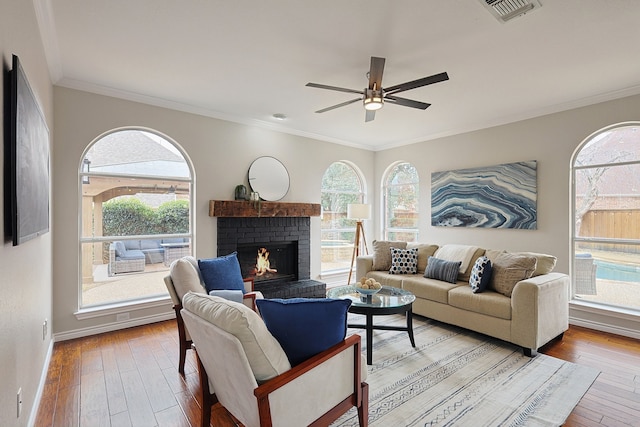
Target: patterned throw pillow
{"x":442,"y":270}
{"x":404,"y":261}
{"x":480,"y":275}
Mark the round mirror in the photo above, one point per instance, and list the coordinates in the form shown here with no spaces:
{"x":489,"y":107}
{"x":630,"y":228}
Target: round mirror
{"x":269,"y":178}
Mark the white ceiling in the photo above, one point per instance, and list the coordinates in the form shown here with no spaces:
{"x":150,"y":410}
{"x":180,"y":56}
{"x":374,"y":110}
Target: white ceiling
{"x":245,"y":60}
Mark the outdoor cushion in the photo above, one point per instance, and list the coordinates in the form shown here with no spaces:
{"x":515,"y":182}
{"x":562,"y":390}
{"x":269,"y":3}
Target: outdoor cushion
{"x":130,"y":255}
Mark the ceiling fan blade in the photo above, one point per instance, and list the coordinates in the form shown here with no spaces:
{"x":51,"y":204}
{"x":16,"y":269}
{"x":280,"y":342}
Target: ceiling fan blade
{"x":436,"y":78}
{"x":406,"y":102}
{"x":370,"y":115}
{"x":342,"y":104}
{"x":339,"y":89}
{"x":375,"y":72}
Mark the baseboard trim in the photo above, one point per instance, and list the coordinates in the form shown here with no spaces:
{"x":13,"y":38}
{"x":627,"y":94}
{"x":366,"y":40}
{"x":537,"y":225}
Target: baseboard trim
{"x":113,"y":326}
{"x":605,"y":327}
{"x":43,"y":380}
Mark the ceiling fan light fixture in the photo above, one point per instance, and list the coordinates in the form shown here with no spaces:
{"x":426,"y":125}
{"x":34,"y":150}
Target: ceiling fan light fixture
{"x":373,"y":100}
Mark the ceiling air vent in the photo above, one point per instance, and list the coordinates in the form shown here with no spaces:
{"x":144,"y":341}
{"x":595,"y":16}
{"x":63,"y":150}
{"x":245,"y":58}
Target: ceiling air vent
{"x":505,"y":10}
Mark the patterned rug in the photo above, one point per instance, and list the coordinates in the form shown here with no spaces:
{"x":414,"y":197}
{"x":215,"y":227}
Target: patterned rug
{"x":455,"y":377}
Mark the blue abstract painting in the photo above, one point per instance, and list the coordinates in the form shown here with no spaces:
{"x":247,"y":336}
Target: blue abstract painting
{"x":501,"y":196}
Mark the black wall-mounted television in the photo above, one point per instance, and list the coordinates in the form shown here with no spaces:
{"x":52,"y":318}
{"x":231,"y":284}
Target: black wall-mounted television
{"x":29,"y":160}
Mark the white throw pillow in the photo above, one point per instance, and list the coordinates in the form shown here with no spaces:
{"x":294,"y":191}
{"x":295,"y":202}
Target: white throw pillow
{"x":264,"y":353}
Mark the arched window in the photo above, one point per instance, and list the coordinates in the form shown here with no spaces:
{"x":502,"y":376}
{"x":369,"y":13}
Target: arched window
{"x":136,"y":192}
{"x":606,"y":213}
{"x":342,"y":184}
{"x":400,"y":192}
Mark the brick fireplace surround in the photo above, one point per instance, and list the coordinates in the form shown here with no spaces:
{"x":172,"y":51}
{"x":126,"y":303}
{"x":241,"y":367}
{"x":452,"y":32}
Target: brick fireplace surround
{"x":240,"y":223}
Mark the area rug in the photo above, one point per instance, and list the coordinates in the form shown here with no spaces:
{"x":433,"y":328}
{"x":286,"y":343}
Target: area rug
{"x":455,"y":377}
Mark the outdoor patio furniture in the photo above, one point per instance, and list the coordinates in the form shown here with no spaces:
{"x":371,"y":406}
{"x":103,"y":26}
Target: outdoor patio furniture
{"x":585,"y":274}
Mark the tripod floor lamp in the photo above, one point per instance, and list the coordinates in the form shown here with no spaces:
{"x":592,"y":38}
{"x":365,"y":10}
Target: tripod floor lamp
{"x":359,"y":212}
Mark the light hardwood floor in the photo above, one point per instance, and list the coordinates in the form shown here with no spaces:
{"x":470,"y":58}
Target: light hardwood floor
{"x":130,"y":378}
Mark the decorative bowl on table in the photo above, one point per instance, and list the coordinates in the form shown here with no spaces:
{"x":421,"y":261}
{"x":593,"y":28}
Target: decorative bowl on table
{"x":368,"y":286}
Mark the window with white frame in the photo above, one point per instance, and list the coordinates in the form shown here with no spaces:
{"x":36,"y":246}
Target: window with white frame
{"x":400,"y":197}
{"x":342,"y":184}
{"x":136,"y":198}
{"x":606,"y":216}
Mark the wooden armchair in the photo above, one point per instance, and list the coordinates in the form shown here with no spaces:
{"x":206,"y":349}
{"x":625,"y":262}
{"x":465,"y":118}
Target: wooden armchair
{"x":185,"y":276}
{"x":315,"y":392}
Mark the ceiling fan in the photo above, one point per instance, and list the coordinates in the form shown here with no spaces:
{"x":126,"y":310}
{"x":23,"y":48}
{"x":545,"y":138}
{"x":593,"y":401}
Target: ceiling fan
{"x":374,"y":96}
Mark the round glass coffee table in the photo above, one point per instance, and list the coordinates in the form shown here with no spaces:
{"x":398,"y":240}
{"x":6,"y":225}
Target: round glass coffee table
{"x":387,"y":301}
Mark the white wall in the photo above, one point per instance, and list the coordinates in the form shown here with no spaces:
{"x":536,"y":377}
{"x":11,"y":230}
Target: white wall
{"x":25,"y":270}
{"x":551,"y":140}
{"x":221,"y":153}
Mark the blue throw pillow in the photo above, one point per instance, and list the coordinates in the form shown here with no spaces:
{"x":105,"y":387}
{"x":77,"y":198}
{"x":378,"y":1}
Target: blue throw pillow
{"x":221,"y":273}
{"x":440,"y":269}
{"x":480,"y":275}
{"x":305,"y":327}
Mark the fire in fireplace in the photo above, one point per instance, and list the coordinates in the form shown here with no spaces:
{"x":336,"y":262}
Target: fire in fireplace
{"x":269,"y":262}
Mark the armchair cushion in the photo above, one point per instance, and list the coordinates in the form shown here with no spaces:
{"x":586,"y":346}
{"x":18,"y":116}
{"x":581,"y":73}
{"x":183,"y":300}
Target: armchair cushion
{"x":185,"y":277}
{"x":232,"y":295}
{"x":222,"y":272}
{"x":264,"y":354}
{"x":305,"y":327}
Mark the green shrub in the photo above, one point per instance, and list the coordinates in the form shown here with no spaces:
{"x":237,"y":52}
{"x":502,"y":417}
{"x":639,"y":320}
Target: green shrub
{"x":173,"y":217}
{"x":126,"y":217}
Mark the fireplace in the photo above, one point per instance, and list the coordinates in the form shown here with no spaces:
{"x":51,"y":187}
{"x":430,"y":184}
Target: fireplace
{"x":269,"y":262}
{"x":287,"y":242}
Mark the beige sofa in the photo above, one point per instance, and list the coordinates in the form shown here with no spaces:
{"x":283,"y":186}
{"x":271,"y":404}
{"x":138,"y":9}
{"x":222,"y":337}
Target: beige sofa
{"x":536,"y":312}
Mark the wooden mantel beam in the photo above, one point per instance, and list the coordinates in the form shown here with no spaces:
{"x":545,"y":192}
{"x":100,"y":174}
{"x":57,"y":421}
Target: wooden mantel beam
{"x":239,"y":208}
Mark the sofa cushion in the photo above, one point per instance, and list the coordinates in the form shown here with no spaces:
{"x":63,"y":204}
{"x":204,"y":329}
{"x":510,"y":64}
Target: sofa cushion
{"x":490,"y":302}
{"x":464,"y":276}
{"x":425,"y":250}
{"x":132,"y":255}
{"x":509,"y":269}
{"x":480,"y":275}
{"x":264,"y":353}
{"x":185,"y":277}
{"x":305,"y":327}
{"x":431,"y":289}
{"x":462,"y":253}
{"x":545,"y":263}
{"x":131,"y":245}
{"x":222,"y":272}
{"x":119,"y":248}
{"x":404,"y":261}
{"x":150,"y":244}
{"x":382,"y":253}
{"x":386,"y":279}
{"x":442,"y":269}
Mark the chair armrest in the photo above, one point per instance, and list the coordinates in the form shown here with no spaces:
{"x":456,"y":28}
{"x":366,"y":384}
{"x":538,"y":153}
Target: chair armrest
{"x":248,"y":284}
{"x":338,"y":370}
{"x":249,"y":299}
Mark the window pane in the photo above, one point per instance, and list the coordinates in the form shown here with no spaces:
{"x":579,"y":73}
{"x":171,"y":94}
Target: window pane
{"x":127,"y":270}
{"x":341,"y":186}
{"x":136,"y":196}
{"x":621,"y":144}
{"x":608,"y":202}
{"x":608,"y":273}
{"x":401,"y":203}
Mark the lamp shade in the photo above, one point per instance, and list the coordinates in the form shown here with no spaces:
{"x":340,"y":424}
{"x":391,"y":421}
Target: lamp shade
{"x":358,"y":211}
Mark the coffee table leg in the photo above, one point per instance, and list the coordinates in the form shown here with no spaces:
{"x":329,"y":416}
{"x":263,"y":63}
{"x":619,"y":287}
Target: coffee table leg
{"x":410,"y":326}
{"x":369,"y":328}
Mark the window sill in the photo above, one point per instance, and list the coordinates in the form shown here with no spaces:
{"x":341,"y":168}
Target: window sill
{"x":123,"y":307}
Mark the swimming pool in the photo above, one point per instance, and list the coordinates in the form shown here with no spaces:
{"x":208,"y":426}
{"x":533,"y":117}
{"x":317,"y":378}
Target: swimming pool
{"x":619,"y":272}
